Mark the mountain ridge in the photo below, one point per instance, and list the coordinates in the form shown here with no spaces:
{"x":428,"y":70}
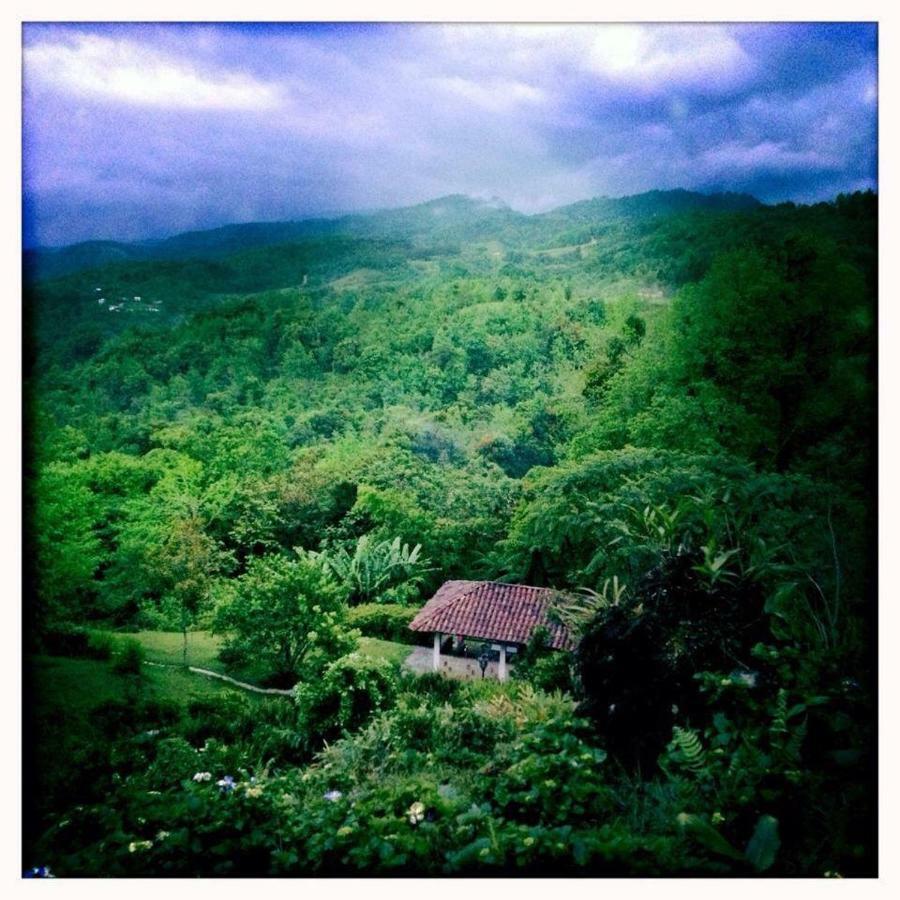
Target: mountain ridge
{"x":449,"y":218}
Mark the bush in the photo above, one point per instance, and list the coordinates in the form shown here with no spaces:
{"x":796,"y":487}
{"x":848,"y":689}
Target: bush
{"x":637,"y":660}
{"x":131,"y":658}
{"x":552,"y":775}
{"x":115,"y":718}
{"x":233,"y":657}
{"x":350,"y":691}
{"x":388,"y":621}
{"x":80,"y":643}
{"x":227,"y":718}
{"x":432,"y":685}
{"x":286,"y":614}
{"x":546,"y":669}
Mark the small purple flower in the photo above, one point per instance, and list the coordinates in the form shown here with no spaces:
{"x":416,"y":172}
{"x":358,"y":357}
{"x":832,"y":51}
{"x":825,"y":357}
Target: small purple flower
{"x":226,"y":783}
{"x":333,"y":796}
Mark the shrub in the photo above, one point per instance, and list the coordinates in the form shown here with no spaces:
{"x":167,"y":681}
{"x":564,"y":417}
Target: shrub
{"x":175,"y":760}
{"x":286,"y":614}
{"x":388,"y":621}
{"x":233,"y":656}
{"x":351,"y":689}
{"x":226,"y":718}
{"x":73,"y":641}
{"x":115,"y":718}
{"x":553,"y":776}
{"x":131,"y":658}
{"x":637,"y":660}
{"x":546,"y":669}
{"x":433,"y":685}
{"x":100,"y":645}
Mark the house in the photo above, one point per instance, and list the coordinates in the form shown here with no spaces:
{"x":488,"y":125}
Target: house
{"x":504,"y":614}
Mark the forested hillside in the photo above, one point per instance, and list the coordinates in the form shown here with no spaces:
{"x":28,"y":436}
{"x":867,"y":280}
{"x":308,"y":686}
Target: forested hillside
{"x":662,"y":406}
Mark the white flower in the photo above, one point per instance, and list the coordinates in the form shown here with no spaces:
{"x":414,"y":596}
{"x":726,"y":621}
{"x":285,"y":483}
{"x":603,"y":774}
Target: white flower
{"x":139,"y":845}
{"x":333,"y":796}
{"x":416,"y":813}
{"x":203,"y":776}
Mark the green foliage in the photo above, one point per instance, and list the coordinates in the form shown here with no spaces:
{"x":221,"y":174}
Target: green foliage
{"x":68,"y":551}
{"x":70,"y":640}
{"x":687,"y":750}
{"x":388,"y":621}
{"x":546,"y":669}
{"x":377,"y":570}
{"x":130,"y":658}
{"x":349,"y":692}
{"x":761,"y":850}
{"x":286,"y":613}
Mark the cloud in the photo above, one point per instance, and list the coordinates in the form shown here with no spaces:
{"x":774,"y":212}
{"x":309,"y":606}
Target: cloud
{"x":495,"y":96}
{"x":764,"y":157}
{"x":136,"y":130}
{"x":124,"y":71}
{"x":665,"y":58}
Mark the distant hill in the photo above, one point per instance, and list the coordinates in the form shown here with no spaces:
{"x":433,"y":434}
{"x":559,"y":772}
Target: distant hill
{"x":438,"y":225}
{"x":650,"y":205}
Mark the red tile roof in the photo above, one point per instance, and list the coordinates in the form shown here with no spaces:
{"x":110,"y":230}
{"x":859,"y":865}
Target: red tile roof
{"x":492,"y":611}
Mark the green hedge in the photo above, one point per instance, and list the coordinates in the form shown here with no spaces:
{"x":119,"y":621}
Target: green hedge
{"x":388,"y":621}
{"x":76,"y":642}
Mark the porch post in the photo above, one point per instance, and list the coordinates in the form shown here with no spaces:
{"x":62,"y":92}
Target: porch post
{"x":501,"y":669}
{"x":436,"y":659}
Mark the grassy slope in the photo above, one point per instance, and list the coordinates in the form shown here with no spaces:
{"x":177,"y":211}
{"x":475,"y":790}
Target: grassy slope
{"x":166,"y":647}
{"x":384,"y":649}
{"x":203,"y":647}
{"x":63,"y":692}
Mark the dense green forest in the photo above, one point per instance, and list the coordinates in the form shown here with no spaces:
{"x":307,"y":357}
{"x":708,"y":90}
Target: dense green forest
{"x":281,"y":439}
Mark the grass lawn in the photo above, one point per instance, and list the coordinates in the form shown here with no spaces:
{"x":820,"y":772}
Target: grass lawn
{"x":65,"y":690}
{"x":167,"y":646}
{"x":388,"y":650}
{"x":203,"y":647}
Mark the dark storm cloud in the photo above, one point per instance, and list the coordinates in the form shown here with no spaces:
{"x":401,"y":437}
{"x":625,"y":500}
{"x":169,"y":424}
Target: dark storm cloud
{"x":138,"y":130}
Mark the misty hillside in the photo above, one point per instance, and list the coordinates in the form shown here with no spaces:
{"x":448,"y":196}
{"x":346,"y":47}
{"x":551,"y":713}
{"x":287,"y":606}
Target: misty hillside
{"x":451,"y":218}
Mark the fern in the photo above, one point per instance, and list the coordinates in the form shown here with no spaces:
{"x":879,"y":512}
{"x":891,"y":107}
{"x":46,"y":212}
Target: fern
{"x":687,"y":750}
{"x":576,"y":610}
{"x":779,"y":719}
{"x":795,"y":743}
{"x":787,"y":736}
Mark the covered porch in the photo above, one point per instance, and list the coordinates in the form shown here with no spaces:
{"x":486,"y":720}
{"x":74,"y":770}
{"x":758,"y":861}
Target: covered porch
{"x":448,"y":649}
{"x":421,"y":662}
{"x":490,"y":620}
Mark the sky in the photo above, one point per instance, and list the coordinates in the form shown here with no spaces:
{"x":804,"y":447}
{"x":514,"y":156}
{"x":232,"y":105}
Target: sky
{"x":144,"y":130}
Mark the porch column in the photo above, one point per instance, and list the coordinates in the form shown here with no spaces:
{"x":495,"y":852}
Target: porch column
{"x":436,"y":659}
{"x":501,"y":668}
